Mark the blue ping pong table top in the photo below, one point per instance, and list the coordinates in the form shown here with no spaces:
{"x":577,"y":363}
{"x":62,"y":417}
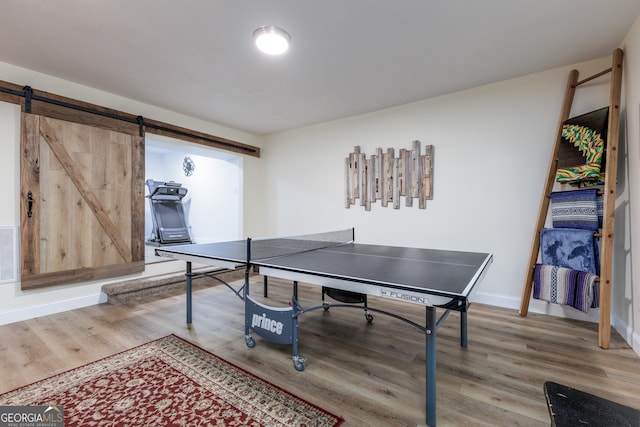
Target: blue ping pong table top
{"x":428,"y":270}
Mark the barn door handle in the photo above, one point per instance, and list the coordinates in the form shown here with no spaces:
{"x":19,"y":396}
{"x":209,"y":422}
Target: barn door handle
{"x":30,"y":203}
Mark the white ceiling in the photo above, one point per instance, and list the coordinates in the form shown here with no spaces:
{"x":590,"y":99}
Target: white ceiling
{"x":347,"y":57}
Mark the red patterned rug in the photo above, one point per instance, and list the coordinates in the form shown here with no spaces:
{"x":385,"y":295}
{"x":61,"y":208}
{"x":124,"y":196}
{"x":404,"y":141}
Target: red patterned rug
{"x":168,"y":382}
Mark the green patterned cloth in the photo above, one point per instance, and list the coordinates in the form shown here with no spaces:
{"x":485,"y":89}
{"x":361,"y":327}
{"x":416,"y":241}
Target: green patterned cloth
{"x":591,"y":145}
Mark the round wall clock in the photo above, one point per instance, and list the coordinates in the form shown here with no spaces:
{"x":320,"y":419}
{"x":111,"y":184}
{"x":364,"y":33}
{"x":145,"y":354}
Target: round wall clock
{"x":188,"y":166}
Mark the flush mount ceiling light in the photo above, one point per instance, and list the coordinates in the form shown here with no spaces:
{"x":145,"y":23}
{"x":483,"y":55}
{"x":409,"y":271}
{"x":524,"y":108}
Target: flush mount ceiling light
{"x":272,"y":40}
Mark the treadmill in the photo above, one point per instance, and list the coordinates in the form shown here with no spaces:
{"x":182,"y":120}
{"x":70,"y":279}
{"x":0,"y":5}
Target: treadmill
{"x":167,"y":213}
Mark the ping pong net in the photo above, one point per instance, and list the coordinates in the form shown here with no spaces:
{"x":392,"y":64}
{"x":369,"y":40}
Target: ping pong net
{"x":264,"y":248}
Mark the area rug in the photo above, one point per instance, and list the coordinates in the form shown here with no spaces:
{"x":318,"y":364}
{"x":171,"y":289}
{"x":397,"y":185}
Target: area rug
{"x":168,"y":382}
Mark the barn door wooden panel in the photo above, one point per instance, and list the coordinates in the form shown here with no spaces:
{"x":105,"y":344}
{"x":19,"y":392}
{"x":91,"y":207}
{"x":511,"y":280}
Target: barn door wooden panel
{"x":82,"y":202}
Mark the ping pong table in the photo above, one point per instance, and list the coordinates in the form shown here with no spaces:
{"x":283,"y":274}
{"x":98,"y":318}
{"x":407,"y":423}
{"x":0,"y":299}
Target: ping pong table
{"x":428,"y":277}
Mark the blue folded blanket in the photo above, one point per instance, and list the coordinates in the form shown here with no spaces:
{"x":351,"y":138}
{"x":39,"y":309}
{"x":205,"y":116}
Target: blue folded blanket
{"x":569,"y":248}
{"x":600,"y":208}
{"x":575,"y":209}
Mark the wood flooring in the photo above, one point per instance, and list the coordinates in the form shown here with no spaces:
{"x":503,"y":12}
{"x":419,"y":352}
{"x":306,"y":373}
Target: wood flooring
{"x":369,"y":374}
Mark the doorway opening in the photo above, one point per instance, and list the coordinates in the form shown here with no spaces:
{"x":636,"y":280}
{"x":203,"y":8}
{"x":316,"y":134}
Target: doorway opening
{"x":213,"y":180}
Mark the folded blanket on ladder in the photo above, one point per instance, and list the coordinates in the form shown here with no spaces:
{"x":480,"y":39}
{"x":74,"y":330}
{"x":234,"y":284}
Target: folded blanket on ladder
{"x":600,"y":208}
{"x":554,"y":284}
{"x":575,"y":209}
{"x":587,"y":291}
{"x":566,"y":286}
{"x":570,"y":248}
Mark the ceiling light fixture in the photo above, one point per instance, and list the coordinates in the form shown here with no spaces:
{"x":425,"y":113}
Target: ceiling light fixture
{"x":272,"y":40}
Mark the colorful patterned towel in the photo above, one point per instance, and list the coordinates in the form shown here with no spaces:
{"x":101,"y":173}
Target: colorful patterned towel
{"x":591,"y":145}
{"x":566,"y":286}
{"x":585,"y":136}
{"x":575,"y":209}
{"x":570,"y":248}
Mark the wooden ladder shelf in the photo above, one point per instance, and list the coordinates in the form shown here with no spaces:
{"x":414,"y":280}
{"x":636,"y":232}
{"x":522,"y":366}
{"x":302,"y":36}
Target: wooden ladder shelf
{"x":609,"y":191}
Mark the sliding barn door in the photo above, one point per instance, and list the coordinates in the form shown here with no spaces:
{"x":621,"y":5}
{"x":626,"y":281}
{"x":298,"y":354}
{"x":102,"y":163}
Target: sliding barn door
{"x":82,"y":206}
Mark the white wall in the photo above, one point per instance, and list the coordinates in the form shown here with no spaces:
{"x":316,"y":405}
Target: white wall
{"x":213,"y":204}
{"x":9,"y":174}
{"x":492,"y":150}
{"x":10,"y":162}
{"x":627,"y":290}
{"x":16,"y":304}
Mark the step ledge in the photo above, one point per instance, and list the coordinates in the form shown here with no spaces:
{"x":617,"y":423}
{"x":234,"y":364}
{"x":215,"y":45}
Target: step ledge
{"x":165,"y":285}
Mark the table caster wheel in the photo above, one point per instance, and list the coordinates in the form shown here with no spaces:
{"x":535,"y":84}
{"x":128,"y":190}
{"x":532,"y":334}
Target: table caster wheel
{"x":299,"y":363}
{"x":251,"y":342}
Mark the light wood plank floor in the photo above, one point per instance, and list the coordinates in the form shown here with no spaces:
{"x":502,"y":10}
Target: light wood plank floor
{"x":370,"y":374}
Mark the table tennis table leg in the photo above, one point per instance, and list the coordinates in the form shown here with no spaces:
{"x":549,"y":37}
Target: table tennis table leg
{"x":463,"y":329}
{"x":188,"y":290}
{"x":431,"y":365}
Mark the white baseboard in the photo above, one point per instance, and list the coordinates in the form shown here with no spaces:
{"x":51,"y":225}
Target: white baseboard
{"x":631,"y":337}
{"x":32,"y":312}
{"x":539,"y":306}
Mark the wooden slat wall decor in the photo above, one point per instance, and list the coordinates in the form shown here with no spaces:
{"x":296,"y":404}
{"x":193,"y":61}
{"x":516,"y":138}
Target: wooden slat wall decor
{"x":388,"y":178}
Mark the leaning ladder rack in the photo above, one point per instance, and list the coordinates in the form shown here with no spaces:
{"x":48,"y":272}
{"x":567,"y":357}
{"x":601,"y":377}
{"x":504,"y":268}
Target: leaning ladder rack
{"x":609,"y":190}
